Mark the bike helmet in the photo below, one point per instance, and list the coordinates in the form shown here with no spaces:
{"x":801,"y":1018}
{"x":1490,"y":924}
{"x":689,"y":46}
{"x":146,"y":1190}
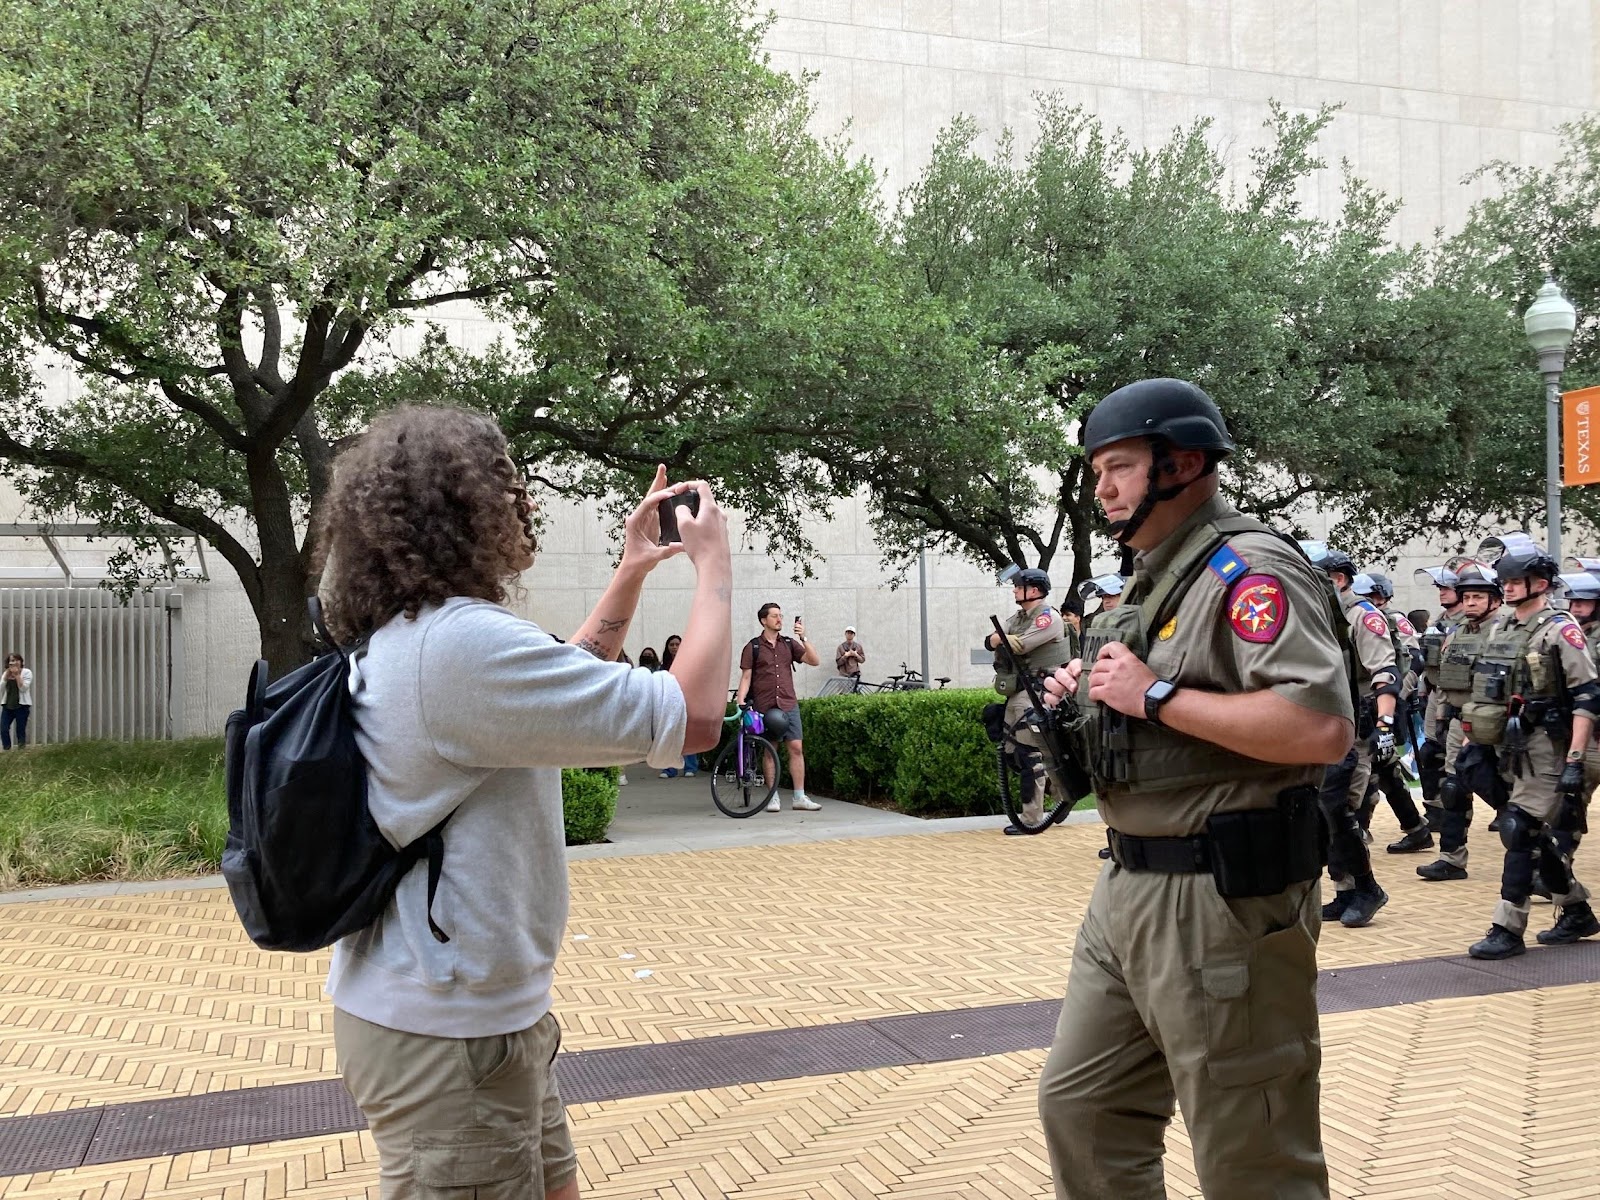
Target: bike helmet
{"x":1102,"y":585}
{"x":775,"y":722}
{"x":1329,"y":560}
{"x":1519,"y":557}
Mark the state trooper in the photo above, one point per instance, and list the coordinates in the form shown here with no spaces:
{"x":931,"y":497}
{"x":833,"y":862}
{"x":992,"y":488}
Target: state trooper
{"x":1389,"y":779}
{"x":1037,"y":637}
{"x":1477,"y":589}
{"x":1211,"y":698}
{"x":1535,"y":694}
{"x":1107,"y":588}
{"x":1358,"y":896}
{"x":1430,"y":751}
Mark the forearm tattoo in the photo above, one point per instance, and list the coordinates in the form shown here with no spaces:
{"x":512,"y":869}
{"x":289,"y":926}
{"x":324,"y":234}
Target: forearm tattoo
{"x":607,"y":625}
{"x":593,"y":647}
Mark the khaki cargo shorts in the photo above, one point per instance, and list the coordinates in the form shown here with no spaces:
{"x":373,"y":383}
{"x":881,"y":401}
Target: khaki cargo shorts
{"x":459,"y":1116}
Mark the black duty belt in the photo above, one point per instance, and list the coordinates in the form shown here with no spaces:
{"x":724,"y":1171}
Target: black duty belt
{"x":1167,"y":855}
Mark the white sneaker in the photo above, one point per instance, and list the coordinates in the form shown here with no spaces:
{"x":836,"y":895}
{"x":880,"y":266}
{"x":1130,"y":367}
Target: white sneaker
{"x":773,"y":805}
{"x":804,"y":803}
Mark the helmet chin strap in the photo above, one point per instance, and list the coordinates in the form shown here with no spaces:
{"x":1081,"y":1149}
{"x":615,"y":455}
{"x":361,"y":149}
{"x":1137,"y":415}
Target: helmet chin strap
{"x":1124,"y":531}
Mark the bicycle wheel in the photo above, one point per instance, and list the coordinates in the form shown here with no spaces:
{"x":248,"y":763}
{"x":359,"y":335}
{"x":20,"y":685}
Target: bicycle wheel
{"x":743,"y":793}
{"x":1056,"y":807}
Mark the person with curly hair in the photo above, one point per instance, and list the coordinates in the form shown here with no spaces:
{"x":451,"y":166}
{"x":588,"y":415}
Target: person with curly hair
{"x":465,"y":715}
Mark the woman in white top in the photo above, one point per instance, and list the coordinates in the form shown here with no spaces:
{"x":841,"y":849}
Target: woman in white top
{"x":16,"y":701}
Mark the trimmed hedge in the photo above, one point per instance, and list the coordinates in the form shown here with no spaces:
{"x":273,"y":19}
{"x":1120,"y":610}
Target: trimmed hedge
{"x":924,"y":752}
{"x":588,"y":802}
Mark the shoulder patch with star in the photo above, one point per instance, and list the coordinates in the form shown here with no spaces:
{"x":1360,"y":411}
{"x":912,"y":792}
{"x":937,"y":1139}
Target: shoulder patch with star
{"x":1257,"y":608}
{"x":1407,"y":629}
{"x":1376,"y":624}
{"x":1574,"y":635}
{"x":1042,"y":621}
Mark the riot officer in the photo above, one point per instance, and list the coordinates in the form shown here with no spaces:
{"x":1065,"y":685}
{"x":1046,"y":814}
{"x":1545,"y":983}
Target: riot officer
{"x":1535,"y":695}
{"x":1430,"y":751}
{"x":1037,"y":637}
{"x":1582,"y":589}
{"x":1389,"y":778}
{"x":1477,"y":589}
{"x":1211,"y":697}
{"x":1358,"y":896}
{"x":1106,"y":588}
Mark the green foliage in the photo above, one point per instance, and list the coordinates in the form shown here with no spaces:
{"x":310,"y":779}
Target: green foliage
{"x":1537,"y":221}
{"x":214,"y":212}
{"x":78,"y":812}
{"x":588,"y":803}
{"x":926,"y":752}
{"x":85,"y":811}
{"x":1079,"y":265}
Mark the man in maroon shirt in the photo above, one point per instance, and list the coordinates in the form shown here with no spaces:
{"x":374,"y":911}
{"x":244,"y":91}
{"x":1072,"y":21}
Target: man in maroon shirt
{"x":766,"y":675}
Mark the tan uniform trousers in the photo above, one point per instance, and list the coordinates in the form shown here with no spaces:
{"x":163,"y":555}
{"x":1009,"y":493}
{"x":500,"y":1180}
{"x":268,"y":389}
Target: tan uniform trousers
{"x":459,"y":1117}
{"x":1178,"y":994}
{"x":1033,"y":802}
{"x":1534,"y":791}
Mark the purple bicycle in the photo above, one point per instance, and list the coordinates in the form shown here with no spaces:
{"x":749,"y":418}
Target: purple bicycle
{"x":739,"y":783}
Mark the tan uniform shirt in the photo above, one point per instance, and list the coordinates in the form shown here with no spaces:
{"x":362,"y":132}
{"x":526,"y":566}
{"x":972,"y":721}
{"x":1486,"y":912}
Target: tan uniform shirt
{"x":1256,"y":620}
{"x":1033,"y":626}
{"x":1369,"y":631}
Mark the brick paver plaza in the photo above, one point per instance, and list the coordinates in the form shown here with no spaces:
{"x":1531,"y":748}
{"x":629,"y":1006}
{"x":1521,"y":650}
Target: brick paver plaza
{"x":126,"y":998}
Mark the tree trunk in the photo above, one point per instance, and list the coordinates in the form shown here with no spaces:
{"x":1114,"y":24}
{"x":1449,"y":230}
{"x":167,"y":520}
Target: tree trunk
{"x":286,"y":637}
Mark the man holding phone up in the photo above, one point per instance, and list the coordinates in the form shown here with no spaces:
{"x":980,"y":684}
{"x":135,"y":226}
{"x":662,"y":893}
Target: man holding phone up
{"x":766,"y":675}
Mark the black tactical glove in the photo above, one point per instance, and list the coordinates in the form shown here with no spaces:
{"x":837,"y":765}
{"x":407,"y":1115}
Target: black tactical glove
{"x":1383,"y":748}
{"x":1571,"y":781}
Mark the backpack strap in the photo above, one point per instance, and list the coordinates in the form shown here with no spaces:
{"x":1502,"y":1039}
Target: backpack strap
{"x":314,"y":608}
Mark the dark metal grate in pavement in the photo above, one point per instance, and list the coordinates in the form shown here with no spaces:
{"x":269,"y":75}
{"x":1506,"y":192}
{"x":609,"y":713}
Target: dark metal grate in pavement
{"x":153,"y":1128}
{"x":48,"y":1141}
{"x":238,"y":1118}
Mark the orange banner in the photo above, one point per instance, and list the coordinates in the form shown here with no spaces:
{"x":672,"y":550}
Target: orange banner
{"x":1580,"y":436}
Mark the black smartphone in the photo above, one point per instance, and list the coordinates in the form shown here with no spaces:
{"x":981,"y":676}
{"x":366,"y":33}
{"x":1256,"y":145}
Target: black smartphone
{"x":668,"y":511}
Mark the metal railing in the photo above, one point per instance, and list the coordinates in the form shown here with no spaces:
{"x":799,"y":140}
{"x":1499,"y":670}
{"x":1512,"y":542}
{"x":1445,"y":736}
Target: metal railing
{"x":102,"y":668}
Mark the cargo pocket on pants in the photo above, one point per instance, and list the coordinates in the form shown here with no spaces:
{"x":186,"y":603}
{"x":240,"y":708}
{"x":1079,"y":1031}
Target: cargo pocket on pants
{"x":1261,"y":1014}
{"x":471,"y":1164}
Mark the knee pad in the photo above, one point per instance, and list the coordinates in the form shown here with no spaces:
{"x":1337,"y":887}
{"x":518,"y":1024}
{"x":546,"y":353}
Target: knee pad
{"x":1453,"y":795}
{"x":1430,"y":756}
{"x":1520,"y":831}
{"x":1335,"y":793}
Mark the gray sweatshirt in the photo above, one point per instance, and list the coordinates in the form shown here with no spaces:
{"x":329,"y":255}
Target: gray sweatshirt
{"x":473,"y":711}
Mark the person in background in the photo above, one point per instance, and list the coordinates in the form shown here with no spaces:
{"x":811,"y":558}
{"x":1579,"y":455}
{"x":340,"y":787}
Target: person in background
{"x":691,"y":762}
{"x":766,"y":676}
{"x":17,"y":701}
{"x":649,"y":659}
{"x":847,"y":659}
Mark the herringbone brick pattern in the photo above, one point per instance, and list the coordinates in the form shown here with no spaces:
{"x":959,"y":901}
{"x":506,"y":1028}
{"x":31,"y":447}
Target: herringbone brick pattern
{"x":1471,"y":1099}
{"x":135,"y":997}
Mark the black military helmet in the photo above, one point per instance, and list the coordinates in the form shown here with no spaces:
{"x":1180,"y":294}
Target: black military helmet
{"x":1032,"y":577}
{"x":1382,"y":585}
{"x":1475,"y":577}
{"x":1173,"y":409}
{"x":1329,"y":560}
{"x":1520,"y":557}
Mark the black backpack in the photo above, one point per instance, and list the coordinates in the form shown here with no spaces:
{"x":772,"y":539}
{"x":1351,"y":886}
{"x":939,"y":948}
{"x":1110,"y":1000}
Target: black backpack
{"x":305,"y":862}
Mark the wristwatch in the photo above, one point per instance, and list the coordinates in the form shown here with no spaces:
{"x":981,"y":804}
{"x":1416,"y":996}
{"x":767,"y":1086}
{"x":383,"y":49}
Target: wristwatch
{"x":1157,"y":694}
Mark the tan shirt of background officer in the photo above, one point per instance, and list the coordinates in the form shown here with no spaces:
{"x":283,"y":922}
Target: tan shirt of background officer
{"x":1035,"y":623}
{"x":1229,"y":984}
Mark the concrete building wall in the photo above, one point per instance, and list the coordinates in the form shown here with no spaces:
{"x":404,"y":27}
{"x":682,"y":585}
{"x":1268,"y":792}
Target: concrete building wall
{"x":1431,"y":89}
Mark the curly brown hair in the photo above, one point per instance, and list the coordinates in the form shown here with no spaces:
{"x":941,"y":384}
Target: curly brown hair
{"x":424,"y":505}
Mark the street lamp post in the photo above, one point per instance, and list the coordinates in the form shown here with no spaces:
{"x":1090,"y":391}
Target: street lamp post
{"x":1549,"y":323}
